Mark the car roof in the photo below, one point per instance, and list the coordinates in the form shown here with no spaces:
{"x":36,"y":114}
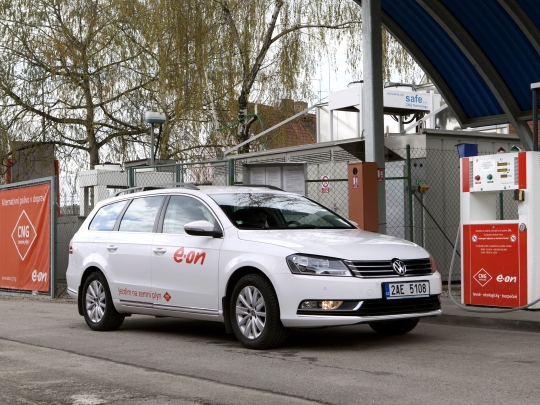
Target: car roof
{"x":208,"y":190}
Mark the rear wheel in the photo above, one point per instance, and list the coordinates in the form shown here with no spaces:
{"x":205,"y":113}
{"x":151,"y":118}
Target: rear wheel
{"x":397,"y":327}
{"x":99,"y":311}
{"x":255,"y":313}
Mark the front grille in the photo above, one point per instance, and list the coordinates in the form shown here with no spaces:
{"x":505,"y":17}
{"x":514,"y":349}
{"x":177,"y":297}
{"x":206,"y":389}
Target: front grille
{"x":400,"y":306}
{"x":383,"y":268}
{"x":381,"y":307}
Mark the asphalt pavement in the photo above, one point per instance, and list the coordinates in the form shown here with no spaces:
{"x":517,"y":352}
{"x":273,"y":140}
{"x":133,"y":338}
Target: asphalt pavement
{"x":49,"y":356}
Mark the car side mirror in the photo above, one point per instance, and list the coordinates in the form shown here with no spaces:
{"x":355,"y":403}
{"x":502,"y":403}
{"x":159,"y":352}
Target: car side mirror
{"x":202,"y":228}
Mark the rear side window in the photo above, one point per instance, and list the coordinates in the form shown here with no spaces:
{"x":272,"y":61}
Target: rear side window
{"x":141,"y":215}
{"x":106,"y":217}
{"x":182,"y":210}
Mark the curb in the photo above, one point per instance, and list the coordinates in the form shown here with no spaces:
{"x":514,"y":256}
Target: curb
{"x":484,"y":322}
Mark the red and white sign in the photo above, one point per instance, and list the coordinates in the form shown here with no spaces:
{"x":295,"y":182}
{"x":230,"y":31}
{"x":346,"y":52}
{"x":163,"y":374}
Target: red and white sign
{"x":25,"y":238}
{"x":325,"y":184}
{"x":23,"y":235}
{"x":380,"y":174}
{"x":495,"y":265}
{"x":355,"y":182}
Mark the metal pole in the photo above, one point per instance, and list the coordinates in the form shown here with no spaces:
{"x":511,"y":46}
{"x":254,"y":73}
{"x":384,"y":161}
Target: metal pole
{"x":177,"y":171}
{"x":535,"y":119}
{"x":54,"y":240}
{"x":409,"y":191}
{"x":231,"y":167}
{"x":152,"y":145}
{"x":373,"y":96}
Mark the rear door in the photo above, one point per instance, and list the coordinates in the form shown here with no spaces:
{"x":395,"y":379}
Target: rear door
{"x":129,"y":250}
{"x":185,"y":267}
{"x":92,"y":243}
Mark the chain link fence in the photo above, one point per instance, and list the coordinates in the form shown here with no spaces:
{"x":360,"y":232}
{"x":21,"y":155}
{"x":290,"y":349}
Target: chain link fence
{"x":422,"y":194}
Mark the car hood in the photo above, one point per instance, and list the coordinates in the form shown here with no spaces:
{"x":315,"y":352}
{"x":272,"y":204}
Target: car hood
{"x":352,"y":244}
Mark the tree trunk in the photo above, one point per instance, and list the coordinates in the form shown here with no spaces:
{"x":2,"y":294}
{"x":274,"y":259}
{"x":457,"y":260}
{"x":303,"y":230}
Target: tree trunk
{"x":242,"y":130}
{"x":93,"y":151}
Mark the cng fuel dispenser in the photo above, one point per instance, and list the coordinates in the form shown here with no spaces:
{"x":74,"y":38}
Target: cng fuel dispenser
{"x":499,"y":262}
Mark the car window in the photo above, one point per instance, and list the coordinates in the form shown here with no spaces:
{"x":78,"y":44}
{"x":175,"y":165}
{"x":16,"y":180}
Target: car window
{"x":182,"y":210}
{"x":141,"y":214}
{"x":106,"y":217}
{"x":277,"y":211}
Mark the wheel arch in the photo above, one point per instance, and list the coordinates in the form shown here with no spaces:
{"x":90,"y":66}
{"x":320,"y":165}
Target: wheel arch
{"x":231,"y":282}
{"x":86,"y":273}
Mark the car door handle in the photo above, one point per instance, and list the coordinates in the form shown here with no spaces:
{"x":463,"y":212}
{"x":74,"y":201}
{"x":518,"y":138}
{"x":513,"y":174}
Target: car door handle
{"x":112,"y":248}
{"x":159,"y":251}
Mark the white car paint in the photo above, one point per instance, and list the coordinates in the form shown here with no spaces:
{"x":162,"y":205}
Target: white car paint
{"x":145,"y":278}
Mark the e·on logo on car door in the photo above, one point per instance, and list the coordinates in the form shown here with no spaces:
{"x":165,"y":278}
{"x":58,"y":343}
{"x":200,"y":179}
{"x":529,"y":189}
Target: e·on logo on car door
{"x":191,"y":257}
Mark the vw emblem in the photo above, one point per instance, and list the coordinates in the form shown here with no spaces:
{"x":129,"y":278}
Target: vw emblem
{"x":399,"y":267}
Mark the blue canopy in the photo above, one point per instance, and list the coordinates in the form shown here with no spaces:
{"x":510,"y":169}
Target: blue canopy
{"x":482,"y":55}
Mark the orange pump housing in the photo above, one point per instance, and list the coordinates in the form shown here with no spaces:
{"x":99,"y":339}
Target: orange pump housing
{"x":363,"y":200}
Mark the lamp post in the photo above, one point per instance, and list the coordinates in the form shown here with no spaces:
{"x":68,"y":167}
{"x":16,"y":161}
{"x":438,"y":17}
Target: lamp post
{"x":152,"y":118}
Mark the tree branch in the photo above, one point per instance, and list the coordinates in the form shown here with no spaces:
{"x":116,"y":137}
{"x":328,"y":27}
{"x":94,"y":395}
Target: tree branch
{"x":347,"y":24}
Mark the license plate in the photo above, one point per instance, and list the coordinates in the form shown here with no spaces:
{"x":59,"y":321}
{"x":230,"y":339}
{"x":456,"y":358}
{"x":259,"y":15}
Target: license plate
{"x":413,"y":289}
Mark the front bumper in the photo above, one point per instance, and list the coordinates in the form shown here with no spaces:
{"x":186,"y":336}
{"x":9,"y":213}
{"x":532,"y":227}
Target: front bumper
{"x":316,"y":321}
{"x":293,"y":289}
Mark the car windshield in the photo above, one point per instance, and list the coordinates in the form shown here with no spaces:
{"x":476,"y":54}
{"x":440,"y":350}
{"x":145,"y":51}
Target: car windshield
{"x":277,"y":211}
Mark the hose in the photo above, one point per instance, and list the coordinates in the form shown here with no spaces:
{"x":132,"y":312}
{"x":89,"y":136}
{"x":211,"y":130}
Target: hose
{"x":466,"y":308}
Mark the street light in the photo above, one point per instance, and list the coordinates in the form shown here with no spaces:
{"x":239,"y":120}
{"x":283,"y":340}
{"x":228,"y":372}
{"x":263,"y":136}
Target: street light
{"x":152,"y":118}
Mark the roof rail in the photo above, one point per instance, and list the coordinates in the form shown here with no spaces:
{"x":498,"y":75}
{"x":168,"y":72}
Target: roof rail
{"x":189,"y":186}
{"x":260,"y":185}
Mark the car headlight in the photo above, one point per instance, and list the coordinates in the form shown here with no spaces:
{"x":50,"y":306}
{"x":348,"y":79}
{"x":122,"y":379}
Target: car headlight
{"x":433,"y":265}
{"x":317,"y":266}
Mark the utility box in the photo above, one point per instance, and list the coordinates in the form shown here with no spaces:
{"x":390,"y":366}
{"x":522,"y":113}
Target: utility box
{"x":363,"y":200}
{"x":499,"y":265}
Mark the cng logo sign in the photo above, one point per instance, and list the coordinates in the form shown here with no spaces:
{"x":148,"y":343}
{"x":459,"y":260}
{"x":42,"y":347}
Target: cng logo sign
{"x":23,"y":235}
{"x":482,"y":277}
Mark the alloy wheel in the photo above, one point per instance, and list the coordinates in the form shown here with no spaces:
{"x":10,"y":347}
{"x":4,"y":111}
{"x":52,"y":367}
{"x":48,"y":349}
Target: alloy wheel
{"x":251,"y":312}
{"x":95,"y":301}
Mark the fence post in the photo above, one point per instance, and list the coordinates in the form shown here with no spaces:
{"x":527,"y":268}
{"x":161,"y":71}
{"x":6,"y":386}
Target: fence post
{"x":230,"y":180}
{"x":177,"y":173}
{"x":409,"y":191}
{"x":54,"y":237}
{"x":131,"y":177}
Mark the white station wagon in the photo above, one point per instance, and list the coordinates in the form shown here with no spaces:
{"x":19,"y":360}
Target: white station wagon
{"x":257,"y":259}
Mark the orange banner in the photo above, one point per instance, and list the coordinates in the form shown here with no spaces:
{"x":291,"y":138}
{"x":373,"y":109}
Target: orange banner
{"x":25,"y":238}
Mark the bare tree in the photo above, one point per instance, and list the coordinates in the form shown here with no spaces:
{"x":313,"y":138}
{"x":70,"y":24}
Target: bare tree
{"x":73,"y":73}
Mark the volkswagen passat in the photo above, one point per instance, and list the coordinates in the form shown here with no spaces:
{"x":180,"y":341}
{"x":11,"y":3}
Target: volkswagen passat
{"x":259,"y":260}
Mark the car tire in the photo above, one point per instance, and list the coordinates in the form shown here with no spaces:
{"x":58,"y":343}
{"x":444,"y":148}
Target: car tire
{"x":255,"y":315}
{"x":98,"y":308}
{"x":397,"y":327}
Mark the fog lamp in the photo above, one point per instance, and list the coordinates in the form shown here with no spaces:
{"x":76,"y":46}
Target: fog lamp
{"x":326,"y":305}
{"x":331,"y":304}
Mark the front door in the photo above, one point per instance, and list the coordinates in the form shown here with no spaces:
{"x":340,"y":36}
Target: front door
{"x":185,"y":267}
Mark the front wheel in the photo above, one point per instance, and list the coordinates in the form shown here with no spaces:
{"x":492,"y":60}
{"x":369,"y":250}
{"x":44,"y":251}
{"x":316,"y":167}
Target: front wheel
{"x":255,"y":313}
{"x":397,"y":327}
{"x":99,"y":311}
